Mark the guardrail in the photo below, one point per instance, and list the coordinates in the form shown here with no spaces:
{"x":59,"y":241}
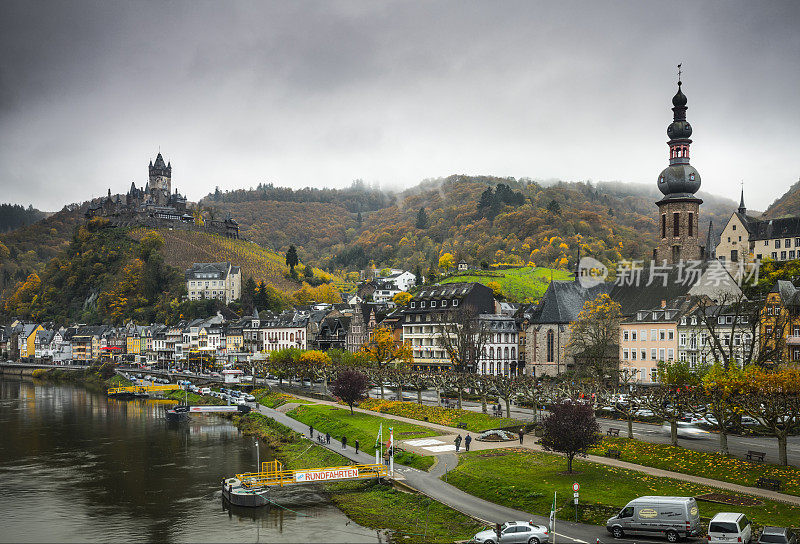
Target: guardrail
{"x":142,"y":389}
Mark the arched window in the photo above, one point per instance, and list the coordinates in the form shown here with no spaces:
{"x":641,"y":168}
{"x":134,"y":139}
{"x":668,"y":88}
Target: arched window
{"x":491,"y":353}
{"x":550,"y":346}
{"x":505,"y":353}
{"x":491,"y":368}
{"x":291,"y":337}
{"x":483,"y":368}
{"x":513,"y":353}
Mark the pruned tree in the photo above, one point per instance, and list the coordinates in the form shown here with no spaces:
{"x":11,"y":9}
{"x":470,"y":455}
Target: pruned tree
{"x":482,"y":385}
{"x":350,"y":386}
{"x":773,"y":398}
{"x":675,"y":394}
{"x":571,"y":429}
{"x":530,"y":390}
{"x":319,"y":365}
{"x":506,"y":387}
{"x":721,"y":387}
{"x":594,"y":336}
{"x":419,"y":382}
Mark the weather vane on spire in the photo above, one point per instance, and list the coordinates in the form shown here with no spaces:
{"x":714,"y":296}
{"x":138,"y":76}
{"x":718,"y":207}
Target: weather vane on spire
{"x":679,"y":73}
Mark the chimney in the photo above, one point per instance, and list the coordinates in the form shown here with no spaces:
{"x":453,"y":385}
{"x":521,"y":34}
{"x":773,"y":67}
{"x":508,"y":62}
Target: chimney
{"x":663,"y":303}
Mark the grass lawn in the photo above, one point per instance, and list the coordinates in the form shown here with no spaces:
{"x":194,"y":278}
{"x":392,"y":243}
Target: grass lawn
{"x":273,"y":399}
{"x":476,"y":422}
{"x":526,"y":480}
{"x":707,"y":465}
{"x":368,"y":503}
{"x":364,"y":428}
{"x":519,"y":284}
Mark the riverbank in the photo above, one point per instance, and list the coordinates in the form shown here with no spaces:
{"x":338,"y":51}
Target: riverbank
{"x":409,"y":516}
{"x":95,"y":376}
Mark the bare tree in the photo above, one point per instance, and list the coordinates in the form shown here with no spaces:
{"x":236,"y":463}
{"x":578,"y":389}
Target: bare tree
{"x":482,"y":385}
{"x":507,"y":387}
{"x":462,"y":335}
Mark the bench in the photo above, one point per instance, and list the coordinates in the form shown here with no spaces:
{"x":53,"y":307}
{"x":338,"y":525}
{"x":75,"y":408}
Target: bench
{"x":612,"y":431}
{"x":769,"y":483}
{"x":462,"y":425}
{"x":613,"y":453}
{"x":755,"y":456}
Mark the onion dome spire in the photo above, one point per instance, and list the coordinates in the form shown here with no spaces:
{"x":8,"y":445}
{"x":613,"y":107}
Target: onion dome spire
{"x":679,"y":179}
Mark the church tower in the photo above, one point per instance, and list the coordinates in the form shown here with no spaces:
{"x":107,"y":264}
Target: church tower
{"x":160,"y":181}
{"x":679,"y":209}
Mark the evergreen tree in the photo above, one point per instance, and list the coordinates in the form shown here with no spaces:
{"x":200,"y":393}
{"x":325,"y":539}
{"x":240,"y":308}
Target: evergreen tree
{"x":418,"y":275}
{"x":291,"y":258}
{"x":422,"y":219}
{"x":359,"y":219}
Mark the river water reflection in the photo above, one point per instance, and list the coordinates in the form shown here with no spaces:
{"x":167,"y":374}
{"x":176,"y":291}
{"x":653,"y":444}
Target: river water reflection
{"x":76,"y":466}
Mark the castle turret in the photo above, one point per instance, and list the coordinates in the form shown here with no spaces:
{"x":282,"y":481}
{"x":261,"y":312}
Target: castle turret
{"x":680,"y":208}
{"x":159,"y":180}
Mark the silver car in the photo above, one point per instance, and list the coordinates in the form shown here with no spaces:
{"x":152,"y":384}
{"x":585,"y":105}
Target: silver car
{"x":517,"y":532}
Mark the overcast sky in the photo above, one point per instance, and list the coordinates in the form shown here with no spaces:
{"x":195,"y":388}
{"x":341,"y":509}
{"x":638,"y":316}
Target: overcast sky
{"x":322,"y":93}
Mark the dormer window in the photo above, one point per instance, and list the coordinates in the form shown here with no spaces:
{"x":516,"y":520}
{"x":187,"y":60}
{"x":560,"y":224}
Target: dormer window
{"x":433,"y":304}
{"x":422,"y":304}
{"x":444,"y":304}
{"x":455,"y":302}
{"x":413,"y":304}
{"x":691,"y":177}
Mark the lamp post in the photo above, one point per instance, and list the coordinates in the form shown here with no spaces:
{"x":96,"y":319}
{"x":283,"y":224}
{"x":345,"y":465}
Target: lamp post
{"x":258,"y":458}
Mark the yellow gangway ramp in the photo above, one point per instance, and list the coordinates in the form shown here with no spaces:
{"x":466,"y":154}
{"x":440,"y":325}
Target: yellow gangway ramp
{"x":272,"y":474}
{"x":142,"y":388}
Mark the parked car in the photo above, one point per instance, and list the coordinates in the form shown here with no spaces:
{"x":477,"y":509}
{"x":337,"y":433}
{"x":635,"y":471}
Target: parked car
{"x":522,"y":532}
{"x":673,"y":517}
{"x":205,"y":391}
{"x":729,"y":528}
{"x":777,"y":535}
{"x":643,"y":412}
{"x":249,"y":398}
{"x":247,"y":378}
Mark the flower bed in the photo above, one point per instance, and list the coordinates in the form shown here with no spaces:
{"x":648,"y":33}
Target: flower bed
{"x":475,"y":422}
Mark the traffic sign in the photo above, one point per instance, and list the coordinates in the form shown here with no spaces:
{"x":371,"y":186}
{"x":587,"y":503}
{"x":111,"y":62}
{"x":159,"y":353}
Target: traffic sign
{"x":576,"y":501}
{"x":575,"y":494}
{"x":576,"y":486}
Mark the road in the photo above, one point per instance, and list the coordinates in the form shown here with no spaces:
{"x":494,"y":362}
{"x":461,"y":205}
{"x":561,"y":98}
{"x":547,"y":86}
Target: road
{"x":737,"y":445}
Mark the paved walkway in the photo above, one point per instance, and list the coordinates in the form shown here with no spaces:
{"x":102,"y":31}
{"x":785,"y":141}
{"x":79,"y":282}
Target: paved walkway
{"x":529,"y":442}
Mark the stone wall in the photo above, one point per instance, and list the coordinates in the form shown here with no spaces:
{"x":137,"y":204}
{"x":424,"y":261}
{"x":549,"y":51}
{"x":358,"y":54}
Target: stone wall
{"x":536,"y":350}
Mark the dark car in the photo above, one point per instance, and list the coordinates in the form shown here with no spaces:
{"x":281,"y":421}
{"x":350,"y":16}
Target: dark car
{"x":777,"y":535}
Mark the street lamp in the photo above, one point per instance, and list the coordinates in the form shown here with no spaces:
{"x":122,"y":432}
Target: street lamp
{"x":258,"y":458}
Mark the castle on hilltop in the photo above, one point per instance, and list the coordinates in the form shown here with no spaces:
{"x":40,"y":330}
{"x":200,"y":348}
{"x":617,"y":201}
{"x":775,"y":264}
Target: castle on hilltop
{"x":155,"y":205}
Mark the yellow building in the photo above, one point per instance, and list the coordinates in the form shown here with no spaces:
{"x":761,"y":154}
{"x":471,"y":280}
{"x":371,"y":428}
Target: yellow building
{"x":779,"y":325}
{"x":27,"y":339}
{"x":133,"y":345}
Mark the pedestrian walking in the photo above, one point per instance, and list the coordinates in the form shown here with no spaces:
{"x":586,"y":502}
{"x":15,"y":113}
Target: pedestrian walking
{"x":356,"y":446}
{"x":521,"y":434}
{"x":311,"y":431}
{"x":344,"y":442}
{"x":457,"y":442}
{"x":467,"y":440}
{"x":328,"y":438}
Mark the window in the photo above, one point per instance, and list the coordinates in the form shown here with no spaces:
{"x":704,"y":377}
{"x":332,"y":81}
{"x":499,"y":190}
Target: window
{"x":653,"y":355}
{"x":682,"y":339}
{"x":662,"y":334}
{"x":653,"y":334}
{"x":633,"y":336}
{"x":787,"y":243}
{"x":676,"y":224}
{"x":691,"y":223}
{"x":643,"y":335}
{"x":413,"y":304}
{"x":433,"y":304}
{"x":670,"y":335}
{"x":633,"y":354}
{"x":626,"y":512}
{"x":422,"y":304}
{"x":774,"y":255}
{"x":644,"y":354}
{"x":444,"y":304}
{"x":455,"y":303}
{"x":783,"y":255}
{"x":682,"y":356}
{"x":550,"y":346}
{"x":670,"y":354}
{"x":661,"y":354}
{"x":791,"y":254}
{"x":625,"y":335}
{"x":777,"y":244}
{"x":663,"y":225}
{"x":797,"y":242}
{"x":734,"y":227}
{"x":654,"y":374}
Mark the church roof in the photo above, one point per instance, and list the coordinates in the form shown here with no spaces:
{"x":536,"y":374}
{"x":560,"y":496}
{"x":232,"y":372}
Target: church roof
{"x":564,"y":300}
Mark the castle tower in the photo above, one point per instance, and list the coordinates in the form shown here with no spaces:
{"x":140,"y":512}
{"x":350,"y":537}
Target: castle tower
{"x":160,"y":180}
{"x":679,"y":209}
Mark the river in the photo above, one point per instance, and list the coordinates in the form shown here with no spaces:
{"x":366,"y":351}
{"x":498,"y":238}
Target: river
{"x":76,"y":466}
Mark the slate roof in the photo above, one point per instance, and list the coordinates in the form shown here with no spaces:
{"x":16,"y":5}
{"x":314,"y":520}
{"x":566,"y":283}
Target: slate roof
{"x":220,"y":270}
{"x":563,"y":301}
{"x":760,"y":229}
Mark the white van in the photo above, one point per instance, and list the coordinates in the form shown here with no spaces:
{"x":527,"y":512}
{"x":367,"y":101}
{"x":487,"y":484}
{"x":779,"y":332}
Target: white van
{"x":730,"y":528}
{"x":671,"y":517}
{"x":205,"y":391}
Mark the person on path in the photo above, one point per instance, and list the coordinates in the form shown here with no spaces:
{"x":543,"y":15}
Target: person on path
{"x":344,"y":442}
{"x":521,"y":434}
{"x":327,"y":438}
{"x":458,"y":442}
{"x":356,"y":446}
{"x":467,"y":440}
{"x":311,"y":431}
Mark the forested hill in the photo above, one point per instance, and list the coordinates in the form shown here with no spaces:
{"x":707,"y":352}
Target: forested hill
{"x":482,"y":219}
{"x":786,"y":205}
{"x":14,"y":215}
